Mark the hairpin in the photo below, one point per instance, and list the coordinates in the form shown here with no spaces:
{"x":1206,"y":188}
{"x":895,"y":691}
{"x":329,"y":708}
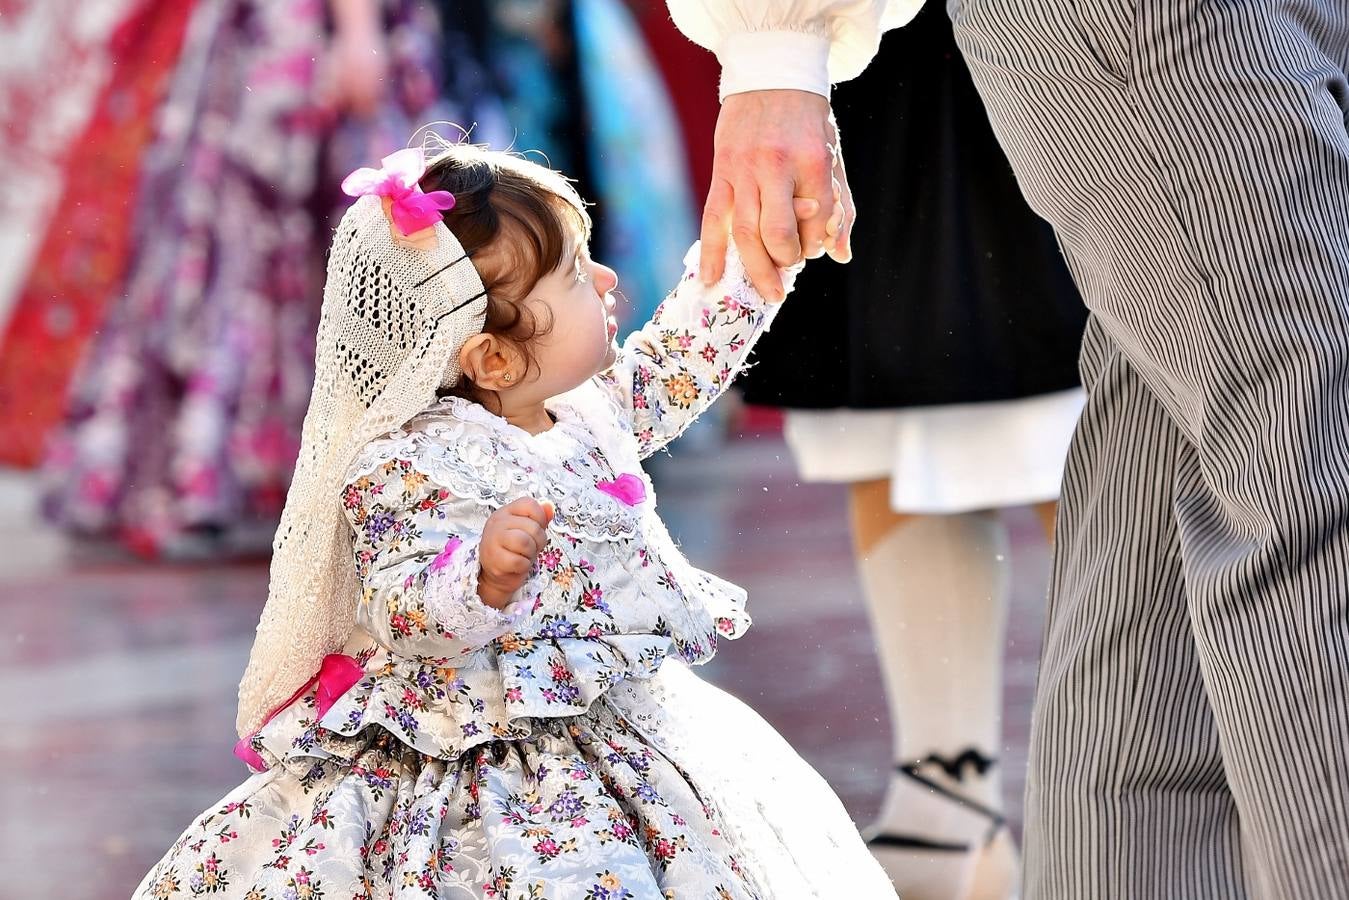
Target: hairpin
{"x":412,"y":213}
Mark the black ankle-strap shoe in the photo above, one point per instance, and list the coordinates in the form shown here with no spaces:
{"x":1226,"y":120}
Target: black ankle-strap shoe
{"x":955,"y":769}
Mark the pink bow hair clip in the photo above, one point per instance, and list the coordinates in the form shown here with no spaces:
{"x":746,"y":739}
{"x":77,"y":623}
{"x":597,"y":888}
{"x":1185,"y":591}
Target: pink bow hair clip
{"x":412,"y":213}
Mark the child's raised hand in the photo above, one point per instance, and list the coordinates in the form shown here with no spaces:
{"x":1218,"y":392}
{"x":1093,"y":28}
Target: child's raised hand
{"x":511,"y":540}
{"x":806,"y":209}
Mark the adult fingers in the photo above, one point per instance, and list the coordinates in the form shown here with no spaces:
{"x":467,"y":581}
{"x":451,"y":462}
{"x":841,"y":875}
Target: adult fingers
{"x":835,"y":223}
{"x":745,"y":232}
{"x":777,"y":225}
{"x":716,"y":230}
{"x":842,"y":243}
{"x":814,"y":181}
{"x":804,"y":207}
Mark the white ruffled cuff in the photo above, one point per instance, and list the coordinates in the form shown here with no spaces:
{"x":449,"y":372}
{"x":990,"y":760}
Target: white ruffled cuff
{"x":774,"y":60}
{"x":450,"y":597}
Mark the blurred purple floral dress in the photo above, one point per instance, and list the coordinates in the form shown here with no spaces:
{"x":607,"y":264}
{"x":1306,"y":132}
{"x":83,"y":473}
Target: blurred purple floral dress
{"x":183,"y":419}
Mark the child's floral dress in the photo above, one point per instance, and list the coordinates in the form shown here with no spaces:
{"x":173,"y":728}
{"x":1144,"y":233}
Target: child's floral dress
{"x":560,"y":748}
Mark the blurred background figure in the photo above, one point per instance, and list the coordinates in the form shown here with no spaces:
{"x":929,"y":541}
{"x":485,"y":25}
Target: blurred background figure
{"x":45,"y":105}
{"x":79,"y":108}
{"x":181,"y":416}
{"x":169,"y":309}
{"x":935,"y":375}
{"x":186,"y":363}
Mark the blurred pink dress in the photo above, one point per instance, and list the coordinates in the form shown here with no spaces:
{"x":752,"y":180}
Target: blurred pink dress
{"x":183,"y":420}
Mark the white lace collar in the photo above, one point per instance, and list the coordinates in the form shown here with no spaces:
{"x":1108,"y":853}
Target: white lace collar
{"x":483,"y":457}
{"x":568,"y":434}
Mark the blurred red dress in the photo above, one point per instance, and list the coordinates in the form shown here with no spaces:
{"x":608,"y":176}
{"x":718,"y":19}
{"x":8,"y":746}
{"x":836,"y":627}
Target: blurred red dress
{"x":82,"y":255}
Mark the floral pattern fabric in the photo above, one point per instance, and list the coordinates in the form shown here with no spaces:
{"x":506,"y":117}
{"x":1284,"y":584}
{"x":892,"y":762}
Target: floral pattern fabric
{"x":208,"y":337}
{"x":667,"y":788}
{"x":533,"y":752}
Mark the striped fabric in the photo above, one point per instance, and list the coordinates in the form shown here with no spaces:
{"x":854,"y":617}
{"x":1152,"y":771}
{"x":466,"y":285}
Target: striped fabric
{"x":1191,"y":734}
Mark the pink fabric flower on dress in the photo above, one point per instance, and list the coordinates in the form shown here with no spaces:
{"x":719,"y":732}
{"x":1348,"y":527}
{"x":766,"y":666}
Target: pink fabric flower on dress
{"x":337,"y":674}
{"x":445,"y":555}
{"x":410,"y":209}
{"x":625,"y":488}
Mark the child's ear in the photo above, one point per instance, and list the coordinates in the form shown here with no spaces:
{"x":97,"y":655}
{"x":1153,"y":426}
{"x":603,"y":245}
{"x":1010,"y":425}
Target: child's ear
{"x":473,"y":357}
{"x":488,"y":362}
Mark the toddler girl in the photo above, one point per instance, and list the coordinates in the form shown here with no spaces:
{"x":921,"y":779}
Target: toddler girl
{"x":470,"y":679}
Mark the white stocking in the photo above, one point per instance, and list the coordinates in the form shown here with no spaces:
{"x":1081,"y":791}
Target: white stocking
{"x":936,"y":590}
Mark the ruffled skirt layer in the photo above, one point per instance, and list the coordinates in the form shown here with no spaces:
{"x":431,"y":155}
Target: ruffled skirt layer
{"x":666,"y":787}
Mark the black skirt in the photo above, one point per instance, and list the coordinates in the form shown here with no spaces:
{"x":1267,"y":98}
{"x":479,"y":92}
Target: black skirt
{"x":957,"y":292}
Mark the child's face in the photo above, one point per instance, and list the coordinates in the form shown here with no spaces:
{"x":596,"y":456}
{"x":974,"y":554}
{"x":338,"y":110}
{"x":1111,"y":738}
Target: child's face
{"x":581,"y":342}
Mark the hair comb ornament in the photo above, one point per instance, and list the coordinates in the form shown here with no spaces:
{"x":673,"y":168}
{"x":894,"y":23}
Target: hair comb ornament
{"x":412,"y":213}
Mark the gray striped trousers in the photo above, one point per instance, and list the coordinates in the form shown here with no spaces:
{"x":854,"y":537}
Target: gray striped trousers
{"x":1191,"y":729}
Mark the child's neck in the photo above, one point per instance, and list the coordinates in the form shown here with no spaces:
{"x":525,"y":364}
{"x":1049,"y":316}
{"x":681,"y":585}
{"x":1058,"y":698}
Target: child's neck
{"x":531,"y":417}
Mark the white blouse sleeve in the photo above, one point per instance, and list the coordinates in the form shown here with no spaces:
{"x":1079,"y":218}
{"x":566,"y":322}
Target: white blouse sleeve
{"x":802,"y":44}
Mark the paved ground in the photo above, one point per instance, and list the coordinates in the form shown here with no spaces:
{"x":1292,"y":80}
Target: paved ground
{"x":118,"y":678}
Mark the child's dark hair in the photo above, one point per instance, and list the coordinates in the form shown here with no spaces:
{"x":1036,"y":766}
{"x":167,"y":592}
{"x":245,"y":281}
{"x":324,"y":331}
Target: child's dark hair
{"x":518,"y":222}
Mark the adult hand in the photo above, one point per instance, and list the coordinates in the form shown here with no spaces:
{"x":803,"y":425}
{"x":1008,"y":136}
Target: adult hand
{"x":357,"y":66}
{"x":772,"y":147}
{"x":512,"y":539}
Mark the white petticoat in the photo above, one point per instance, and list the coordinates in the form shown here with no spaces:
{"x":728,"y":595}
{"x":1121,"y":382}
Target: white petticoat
{"x":787,"y":819}
{"x":943,"y":459}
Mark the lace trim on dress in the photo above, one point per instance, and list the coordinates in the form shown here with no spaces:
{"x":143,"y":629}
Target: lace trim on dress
{"x":483,"y":458}
{"x":451,"y":598}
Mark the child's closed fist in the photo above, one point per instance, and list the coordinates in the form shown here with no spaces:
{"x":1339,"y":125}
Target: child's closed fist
{"x":511,"y":540}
